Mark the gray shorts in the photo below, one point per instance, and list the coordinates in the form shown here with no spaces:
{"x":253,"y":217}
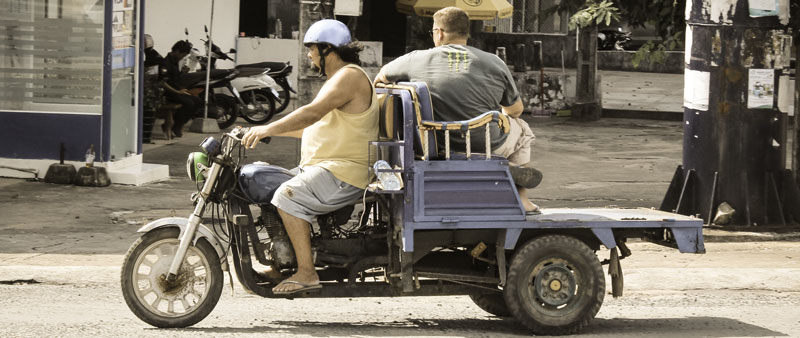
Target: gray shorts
{"x":314,"y":191}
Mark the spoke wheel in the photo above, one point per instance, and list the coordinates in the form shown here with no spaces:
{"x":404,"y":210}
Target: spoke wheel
{"x":263,"y":107}
{"x":179,"y":303}
{"x":555,"y":285}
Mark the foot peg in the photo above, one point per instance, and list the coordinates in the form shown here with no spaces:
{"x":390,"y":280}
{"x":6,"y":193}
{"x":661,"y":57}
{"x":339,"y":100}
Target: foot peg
{"x":525,"y":177}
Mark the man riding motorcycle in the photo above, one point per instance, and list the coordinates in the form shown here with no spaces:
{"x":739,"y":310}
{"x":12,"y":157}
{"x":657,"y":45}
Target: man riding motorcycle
{"x":335,"y":129}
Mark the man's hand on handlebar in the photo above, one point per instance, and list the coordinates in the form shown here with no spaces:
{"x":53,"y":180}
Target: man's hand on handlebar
{"x":254,"y":135}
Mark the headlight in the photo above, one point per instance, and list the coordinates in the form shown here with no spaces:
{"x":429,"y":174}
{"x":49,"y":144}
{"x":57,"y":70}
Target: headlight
{"x":210,"y":146}
{"x":193,"y":166}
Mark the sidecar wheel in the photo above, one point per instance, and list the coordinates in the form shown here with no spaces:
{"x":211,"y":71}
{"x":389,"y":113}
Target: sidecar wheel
{"x":177,"y":304}
{"x":555,"y":285}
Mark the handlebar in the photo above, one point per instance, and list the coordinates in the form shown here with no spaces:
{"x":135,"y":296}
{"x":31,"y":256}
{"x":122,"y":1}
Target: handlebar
{"x":238,"y":132}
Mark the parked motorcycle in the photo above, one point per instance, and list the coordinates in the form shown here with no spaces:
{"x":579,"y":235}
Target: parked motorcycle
{"x":279,"y":71}
{"x":254,"y":87}
{"x":610,"y":39}
{"x":220,"y":106}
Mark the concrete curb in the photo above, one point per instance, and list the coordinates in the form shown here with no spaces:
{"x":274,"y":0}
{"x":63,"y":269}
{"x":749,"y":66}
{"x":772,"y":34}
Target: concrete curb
{"x":642,"y":114}
{"x":792,"y":234}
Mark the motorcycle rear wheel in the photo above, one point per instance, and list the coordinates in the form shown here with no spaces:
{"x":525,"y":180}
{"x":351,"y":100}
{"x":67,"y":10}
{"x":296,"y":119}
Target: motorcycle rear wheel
{"x":226,"y":108}
{"x":163,"y":304}
{"x":264,"y":107}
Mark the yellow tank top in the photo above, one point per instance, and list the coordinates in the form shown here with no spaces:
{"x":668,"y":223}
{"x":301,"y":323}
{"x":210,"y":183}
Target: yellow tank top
{"x":339,"y":142}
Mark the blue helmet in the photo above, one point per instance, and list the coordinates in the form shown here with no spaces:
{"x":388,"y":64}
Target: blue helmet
{"x":329,"y":31}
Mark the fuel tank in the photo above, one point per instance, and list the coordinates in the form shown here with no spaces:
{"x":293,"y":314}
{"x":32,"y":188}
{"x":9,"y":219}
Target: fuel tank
{"x":259,"y":181}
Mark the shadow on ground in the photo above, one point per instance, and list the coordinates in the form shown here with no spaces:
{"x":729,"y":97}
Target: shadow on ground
{"x":619,"y":327}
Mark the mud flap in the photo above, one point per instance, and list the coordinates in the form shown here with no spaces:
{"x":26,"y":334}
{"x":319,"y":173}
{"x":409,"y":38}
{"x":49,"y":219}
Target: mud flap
{"x":615,"y":271}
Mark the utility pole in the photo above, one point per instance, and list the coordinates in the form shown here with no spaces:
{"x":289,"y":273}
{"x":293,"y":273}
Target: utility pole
{"x":587,"y":104}
{"x":734,"y":134}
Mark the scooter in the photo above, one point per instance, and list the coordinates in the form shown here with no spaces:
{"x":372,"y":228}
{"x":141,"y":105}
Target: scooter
{"x":610,"y":39}
{"x":253,"y":87}
{"x":279,"y":71}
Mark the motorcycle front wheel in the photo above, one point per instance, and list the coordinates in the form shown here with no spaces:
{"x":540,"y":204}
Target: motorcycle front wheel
{"x":284,"y":95}
{"x":263,"y":107}
{"x":180,"y":303}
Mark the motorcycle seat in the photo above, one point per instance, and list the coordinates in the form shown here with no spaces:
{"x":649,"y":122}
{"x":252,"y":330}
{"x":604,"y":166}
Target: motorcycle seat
{"x":275,"y":68}
{"x":245,"y":72}
{"x":189,"y":80}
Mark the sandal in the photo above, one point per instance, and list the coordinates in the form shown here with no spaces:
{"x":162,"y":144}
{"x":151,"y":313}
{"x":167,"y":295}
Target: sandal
{"x":303,"y":288}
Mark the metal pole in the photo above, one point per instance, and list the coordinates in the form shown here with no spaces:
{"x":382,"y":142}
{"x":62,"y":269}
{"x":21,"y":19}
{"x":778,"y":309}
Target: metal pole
{"x":208,"y":59}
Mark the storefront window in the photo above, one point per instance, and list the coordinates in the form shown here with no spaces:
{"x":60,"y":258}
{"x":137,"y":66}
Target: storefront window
{"x":51,"y":55}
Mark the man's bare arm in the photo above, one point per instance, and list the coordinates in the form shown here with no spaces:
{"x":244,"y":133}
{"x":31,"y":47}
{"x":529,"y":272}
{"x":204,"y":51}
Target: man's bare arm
{"x":515,"y":110}
{"x":334,"y":93}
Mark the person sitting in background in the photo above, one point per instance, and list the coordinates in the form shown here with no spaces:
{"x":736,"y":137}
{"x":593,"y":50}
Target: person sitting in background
{"x":175,"y":92}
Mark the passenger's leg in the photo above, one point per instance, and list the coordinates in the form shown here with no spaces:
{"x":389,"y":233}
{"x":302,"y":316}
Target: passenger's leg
{"x":517,"y":149}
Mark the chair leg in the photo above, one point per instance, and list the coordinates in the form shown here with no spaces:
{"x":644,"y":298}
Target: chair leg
{"x":168,"y":123}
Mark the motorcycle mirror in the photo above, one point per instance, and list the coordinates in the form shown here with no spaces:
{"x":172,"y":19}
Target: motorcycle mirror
{"x":186,"y":31}
{"x":232,"y":51}
{"x":205,"y":28}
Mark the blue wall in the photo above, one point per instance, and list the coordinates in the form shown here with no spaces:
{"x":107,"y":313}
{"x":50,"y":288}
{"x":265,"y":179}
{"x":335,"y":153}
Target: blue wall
{"x":38,"y":135}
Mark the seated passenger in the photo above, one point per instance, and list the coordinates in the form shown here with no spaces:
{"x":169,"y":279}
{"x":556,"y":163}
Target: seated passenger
{"x":465,"y":82}
{"x":336,"y":128}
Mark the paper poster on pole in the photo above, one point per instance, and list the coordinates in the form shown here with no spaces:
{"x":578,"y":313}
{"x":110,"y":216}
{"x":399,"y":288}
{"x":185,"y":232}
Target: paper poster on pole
{"x":761,"y":89}
{"x":786,"y":95}
{"x":118,"y":23}
{"x":759,"y":8}
{"x":695,"y":89}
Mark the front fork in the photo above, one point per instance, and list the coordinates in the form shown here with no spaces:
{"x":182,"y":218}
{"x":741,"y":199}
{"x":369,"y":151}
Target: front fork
{"x":194,"y":220}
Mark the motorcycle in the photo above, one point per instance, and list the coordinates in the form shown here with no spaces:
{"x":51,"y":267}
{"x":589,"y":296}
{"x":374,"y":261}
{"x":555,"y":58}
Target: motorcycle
{"x":220,"y":106}
{"x":254,"y":87}
{"x":172,"y":275}
{"x":610,"y":39}
{"x":279,"y":71}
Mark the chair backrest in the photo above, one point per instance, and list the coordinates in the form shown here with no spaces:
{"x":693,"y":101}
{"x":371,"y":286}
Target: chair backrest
{"x":392,"y":114}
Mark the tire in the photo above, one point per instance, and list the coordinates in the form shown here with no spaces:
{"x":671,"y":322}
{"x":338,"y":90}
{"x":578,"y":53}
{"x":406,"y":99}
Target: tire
{"x":284,"y":95}
{"x":555,"y":285}
{"x":491,"y":302}
{"x":227,"y":110}
{"x":264,"y":107}
{"x":146,"y":300}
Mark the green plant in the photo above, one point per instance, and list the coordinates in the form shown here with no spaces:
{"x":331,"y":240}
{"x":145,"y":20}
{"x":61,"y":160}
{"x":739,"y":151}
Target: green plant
{"x":656,"y":52}
{"x":594,"y":13}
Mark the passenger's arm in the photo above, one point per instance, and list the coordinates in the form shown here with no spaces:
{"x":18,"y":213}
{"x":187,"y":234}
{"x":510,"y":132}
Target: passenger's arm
{"x":395,"y":70}
{"x":515,"y":110}
{"x":336,"y":92}
{"x":381,"y":77}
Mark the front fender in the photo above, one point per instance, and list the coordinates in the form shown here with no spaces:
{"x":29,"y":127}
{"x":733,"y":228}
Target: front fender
{"x":202,"y":231}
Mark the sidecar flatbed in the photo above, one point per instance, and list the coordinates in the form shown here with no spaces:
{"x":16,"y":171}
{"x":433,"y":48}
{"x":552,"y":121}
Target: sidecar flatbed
{"x":470,"y":192}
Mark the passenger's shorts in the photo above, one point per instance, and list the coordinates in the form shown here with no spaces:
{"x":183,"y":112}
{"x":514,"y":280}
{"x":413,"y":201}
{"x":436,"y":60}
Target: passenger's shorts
{"x":314,"y":191}
{"x":517,"y":147}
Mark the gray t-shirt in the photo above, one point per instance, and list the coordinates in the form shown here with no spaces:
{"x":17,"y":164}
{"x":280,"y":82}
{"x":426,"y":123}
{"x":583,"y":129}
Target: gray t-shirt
{"x":464,"y":82}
